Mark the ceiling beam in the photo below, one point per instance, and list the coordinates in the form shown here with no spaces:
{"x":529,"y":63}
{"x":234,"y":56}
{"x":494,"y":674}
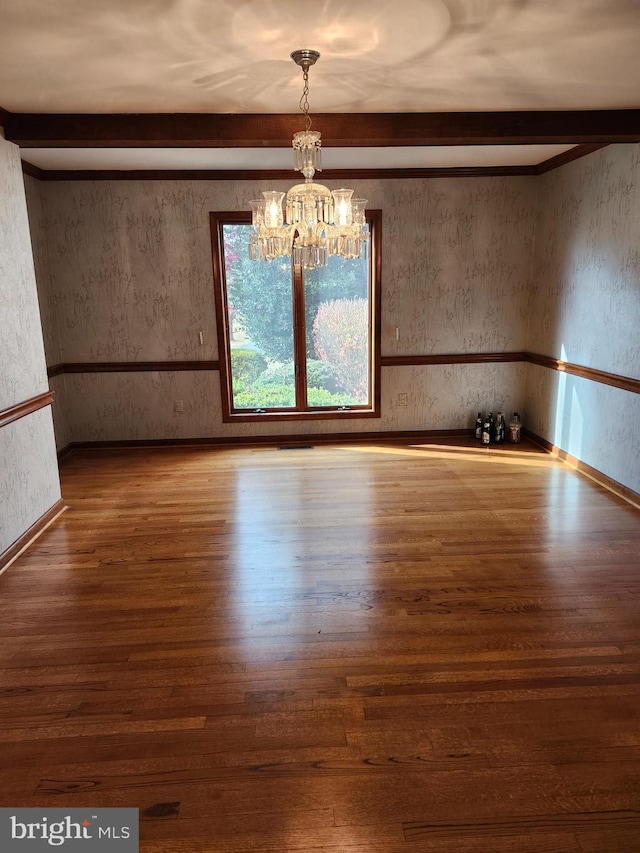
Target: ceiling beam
{"x":195,"y":130}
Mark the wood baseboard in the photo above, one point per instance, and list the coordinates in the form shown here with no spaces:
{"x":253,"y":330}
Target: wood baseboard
{"x":37,"y":529}
{"x":594,"y":474}
{"x":268,"y":440}
{"x":65,"y":451}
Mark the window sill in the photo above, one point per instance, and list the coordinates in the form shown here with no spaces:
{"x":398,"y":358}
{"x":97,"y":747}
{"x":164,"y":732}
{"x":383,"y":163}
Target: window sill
{"x":315,"y":415}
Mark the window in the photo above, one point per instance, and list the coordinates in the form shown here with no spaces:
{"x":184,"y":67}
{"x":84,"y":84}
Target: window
{"x":295,"y":343}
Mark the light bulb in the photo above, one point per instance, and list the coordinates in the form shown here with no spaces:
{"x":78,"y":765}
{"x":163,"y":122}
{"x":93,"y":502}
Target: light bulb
{"x":273,"y":217}
{"x":342,"y":214}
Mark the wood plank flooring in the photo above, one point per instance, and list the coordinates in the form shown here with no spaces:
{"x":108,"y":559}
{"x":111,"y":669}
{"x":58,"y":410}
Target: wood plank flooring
{"x":354,"y":649}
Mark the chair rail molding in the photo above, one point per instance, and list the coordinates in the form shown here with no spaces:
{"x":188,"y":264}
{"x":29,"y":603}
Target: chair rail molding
{"x":26,"y":407}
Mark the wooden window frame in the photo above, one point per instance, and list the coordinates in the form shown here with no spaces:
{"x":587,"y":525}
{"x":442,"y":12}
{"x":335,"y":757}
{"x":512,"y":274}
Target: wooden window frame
{"x":231,"y":415}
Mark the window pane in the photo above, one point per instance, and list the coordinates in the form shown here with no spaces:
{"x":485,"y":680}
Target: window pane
{"x":259,"y":297}
{"x":337,"y":309}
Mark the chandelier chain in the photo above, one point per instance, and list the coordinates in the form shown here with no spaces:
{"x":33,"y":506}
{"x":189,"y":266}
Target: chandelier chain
{"x":304,"y":99}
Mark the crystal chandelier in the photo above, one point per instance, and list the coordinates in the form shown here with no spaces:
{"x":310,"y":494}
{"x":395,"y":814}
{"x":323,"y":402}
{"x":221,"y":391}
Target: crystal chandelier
{"x":316,"y":222}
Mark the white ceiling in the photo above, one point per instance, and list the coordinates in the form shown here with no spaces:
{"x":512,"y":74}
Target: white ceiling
{"x":232,"y":56}
{"x":221,"y":56}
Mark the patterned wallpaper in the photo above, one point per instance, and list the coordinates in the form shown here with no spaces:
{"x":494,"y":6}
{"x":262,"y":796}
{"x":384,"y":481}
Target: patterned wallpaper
{"x":22,"y":365}
{"x":29,"y":483}
{"x":586,"y":309}
{"x":39,"y":228}
{"x":112,"y":406}
{"x":457,"y":264}
{"x":131,"y":279}
{"x":131,"y":264}
{"x":587,"y":260}
{"x":60,"y":411}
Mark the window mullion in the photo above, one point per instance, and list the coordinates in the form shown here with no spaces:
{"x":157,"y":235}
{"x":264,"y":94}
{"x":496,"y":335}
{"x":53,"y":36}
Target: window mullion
{"x":299,"y":339}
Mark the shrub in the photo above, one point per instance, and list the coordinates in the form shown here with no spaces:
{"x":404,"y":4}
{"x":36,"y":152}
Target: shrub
{"x":246,"y":366}
{"x":276,"y":374}
{"x":340,"y":334}
{"x":320,"y":375}
{"x":279,"y":396}
{"x":272,"y":397}
{"x":320,"y":397}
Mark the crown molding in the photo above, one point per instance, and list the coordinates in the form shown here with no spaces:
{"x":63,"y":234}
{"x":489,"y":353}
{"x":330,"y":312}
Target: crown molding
{"x":568,"y":157}
{"x":198,"y":130}
{"x":34,"y":171}
{"x":285,"y":174}
{"x":272,"y":174}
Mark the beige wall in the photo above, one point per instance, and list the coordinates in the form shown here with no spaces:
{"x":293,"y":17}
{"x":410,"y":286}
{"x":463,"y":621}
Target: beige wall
{"x":29,"y":483}
{"x":586,"y":310}
{"x":130,"y":278}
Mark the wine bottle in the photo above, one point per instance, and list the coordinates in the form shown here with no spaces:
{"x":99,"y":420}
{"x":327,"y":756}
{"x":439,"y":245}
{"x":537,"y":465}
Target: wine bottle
{"x":515,"y":428}
{"x":497,"y":437}
{"x":486,"y":429}
{"x":479,"y":424}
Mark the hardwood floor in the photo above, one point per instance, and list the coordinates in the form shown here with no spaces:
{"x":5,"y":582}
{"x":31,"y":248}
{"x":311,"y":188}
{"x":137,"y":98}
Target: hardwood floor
{"x":357,"y":649}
